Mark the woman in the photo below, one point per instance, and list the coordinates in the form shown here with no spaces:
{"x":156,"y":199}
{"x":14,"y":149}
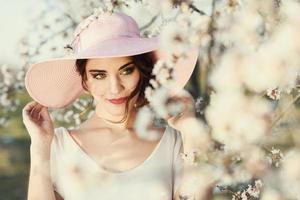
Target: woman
{"x":103,"y":158}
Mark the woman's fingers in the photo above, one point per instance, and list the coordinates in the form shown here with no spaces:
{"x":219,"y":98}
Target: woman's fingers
{"x":33,"y":113}
{"x":44,"y":114}
{"x":28,"y":107}
{"x":32,"y":110}
{"x":27,"y":110}
{"x":37,"y":110}
{"x":36,"y":120}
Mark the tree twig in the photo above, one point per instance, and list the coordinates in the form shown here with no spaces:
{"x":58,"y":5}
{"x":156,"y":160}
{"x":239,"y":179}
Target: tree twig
{"x":284,"y":111}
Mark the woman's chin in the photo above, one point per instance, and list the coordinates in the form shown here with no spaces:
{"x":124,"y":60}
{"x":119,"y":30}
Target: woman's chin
{"x":117,"y":110}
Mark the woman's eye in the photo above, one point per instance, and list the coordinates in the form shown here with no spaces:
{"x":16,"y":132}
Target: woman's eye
{"x":99,"y":76}
{"x":128,"y":70}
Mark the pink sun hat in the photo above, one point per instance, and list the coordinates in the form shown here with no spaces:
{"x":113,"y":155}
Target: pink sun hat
{"x":54,"y":83}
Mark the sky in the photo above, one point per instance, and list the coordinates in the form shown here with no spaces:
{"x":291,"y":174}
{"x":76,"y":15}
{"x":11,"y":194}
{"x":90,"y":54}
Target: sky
{"x":15,"y":18}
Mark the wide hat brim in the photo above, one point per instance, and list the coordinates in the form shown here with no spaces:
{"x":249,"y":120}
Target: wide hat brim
{"x":54,"y":83}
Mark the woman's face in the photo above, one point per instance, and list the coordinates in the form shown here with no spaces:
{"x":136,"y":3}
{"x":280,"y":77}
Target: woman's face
{"x":108,"y":80}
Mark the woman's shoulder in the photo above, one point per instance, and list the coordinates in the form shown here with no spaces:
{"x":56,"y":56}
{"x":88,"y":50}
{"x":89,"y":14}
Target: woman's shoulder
{"x":64,"y":136}
{"x":176,"y":139}
{"x":176,"y":135}
{"x":59,"y":130}
{"x":59,"y":138}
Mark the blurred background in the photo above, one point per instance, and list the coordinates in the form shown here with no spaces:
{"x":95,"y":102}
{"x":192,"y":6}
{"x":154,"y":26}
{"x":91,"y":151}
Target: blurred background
{"x":16,"y":18}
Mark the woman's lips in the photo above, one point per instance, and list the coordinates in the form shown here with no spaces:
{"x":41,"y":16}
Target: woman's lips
{"x":118,"y":101}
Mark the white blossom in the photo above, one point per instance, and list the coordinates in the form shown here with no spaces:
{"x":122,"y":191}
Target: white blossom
{"x":274,"y":94}
{"x":271,"y":194}
{"x":290,"y":174}
{"x":247,"y":122}
{"x":143,"y":121}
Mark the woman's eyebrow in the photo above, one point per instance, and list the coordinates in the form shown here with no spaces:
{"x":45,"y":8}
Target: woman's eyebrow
{"x":123,"y":66}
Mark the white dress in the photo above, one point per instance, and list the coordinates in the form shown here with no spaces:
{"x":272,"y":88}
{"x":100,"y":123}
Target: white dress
{"x":76,"y":176}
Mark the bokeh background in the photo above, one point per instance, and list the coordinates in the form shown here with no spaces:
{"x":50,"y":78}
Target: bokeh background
{"x":16,"y":18}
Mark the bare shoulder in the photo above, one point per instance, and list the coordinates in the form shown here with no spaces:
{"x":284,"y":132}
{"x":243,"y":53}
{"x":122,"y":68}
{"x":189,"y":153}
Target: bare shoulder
{"x":88,"y":132}
{"x":86,"y":126}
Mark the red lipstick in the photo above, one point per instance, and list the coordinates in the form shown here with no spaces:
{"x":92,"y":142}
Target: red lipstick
{"x":119,"y":100}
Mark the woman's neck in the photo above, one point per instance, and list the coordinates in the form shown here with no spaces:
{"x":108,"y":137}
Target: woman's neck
{"x":111,"y":122}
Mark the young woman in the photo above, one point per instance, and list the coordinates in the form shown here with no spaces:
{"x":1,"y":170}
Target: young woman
{"x":103,"y":158}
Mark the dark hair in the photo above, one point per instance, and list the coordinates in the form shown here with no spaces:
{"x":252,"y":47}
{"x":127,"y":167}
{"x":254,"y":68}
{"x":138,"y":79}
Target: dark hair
{"x":144,"y":64}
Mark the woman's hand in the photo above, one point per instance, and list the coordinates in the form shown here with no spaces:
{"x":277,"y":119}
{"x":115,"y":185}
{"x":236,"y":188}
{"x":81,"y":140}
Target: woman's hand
{"x":38,"y":123}
{"x":184,"y":98}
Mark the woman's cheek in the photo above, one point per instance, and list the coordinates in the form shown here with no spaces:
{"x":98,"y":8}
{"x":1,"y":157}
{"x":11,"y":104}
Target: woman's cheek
{"x":133,"y":81}
{"x":97,"y":91}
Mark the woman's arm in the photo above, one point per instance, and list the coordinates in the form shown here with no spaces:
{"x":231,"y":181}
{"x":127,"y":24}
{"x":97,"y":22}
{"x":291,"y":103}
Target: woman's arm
{"x":194,"y":139}
{"x":40,"y":184}
{"x":40,"y":127}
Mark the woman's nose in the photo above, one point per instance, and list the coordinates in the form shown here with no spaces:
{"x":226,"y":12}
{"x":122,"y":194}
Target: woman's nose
{"x":115,"y":86}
